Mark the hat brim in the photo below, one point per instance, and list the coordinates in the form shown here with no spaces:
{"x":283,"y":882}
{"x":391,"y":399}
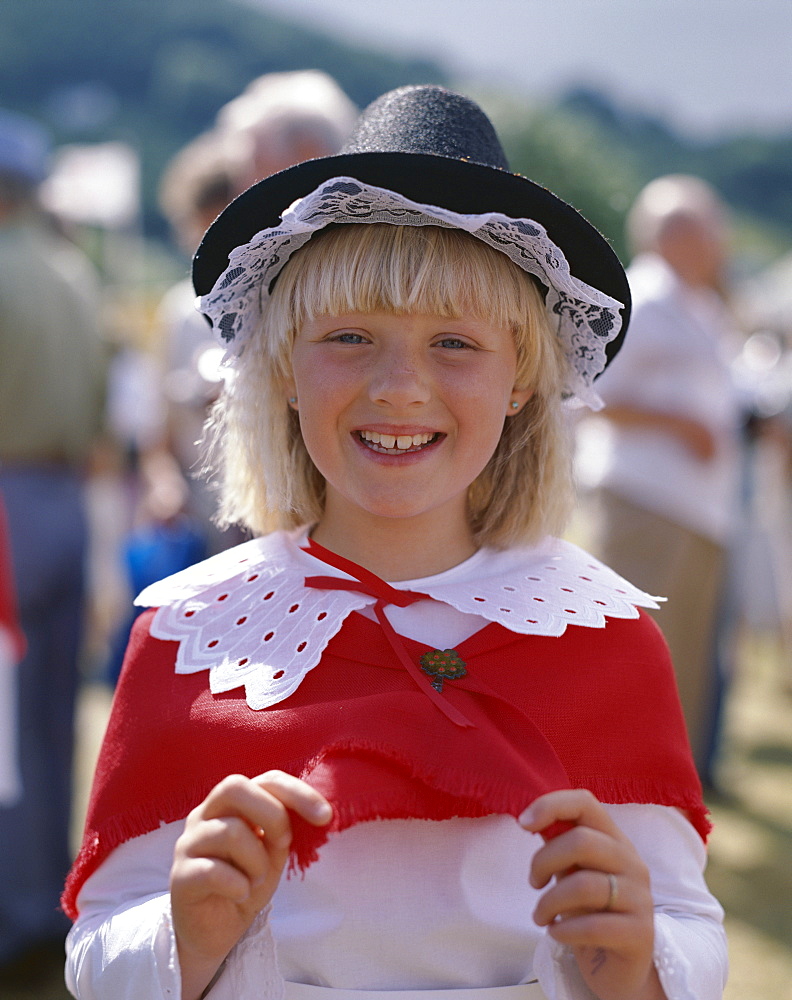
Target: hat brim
{"x":457,"y":185}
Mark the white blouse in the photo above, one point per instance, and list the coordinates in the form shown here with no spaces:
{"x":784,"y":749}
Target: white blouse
{"x":436,"y":905}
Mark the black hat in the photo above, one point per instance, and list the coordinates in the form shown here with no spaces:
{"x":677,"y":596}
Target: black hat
{"x":434,"y":155}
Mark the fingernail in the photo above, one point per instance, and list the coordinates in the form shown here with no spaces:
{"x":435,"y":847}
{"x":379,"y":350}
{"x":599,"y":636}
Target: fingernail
{"x":323,"y":812}
{"x":526,"y":817}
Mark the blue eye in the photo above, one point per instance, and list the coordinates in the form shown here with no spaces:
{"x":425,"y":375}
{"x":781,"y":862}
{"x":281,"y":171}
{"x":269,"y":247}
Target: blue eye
{"x":349,"y":338}
{"x":453,"y":342}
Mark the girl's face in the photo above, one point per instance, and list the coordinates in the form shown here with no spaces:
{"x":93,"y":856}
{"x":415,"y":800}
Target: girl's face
{"x":400,"y":413}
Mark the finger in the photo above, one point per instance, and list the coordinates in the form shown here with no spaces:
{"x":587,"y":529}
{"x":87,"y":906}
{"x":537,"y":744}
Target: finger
{"x":237,"y":793}
{"x":229,"y":839}
{"x":196,"y":878}
{"x":580,"y":847}
{"x":574,"y":805}
{"x":615,"y":932}
{"x":297,"y":795}
{"x":584,"y":892}
{"x":241,"y":797}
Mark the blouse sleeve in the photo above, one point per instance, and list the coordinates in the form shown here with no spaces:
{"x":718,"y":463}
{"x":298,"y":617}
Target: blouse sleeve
{"x":122,"y":946}
{"x":690,"y":943}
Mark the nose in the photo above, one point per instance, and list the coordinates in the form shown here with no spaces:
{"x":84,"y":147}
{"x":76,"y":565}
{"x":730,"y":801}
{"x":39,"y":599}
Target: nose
{"x":399,"y":380}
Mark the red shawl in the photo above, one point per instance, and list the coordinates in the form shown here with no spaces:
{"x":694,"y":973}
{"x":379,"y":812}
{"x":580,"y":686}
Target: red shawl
{"x":596,"y":709}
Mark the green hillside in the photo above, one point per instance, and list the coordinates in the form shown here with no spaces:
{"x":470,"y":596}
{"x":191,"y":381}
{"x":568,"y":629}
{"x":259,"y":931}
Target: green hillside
{"x":598,"y":156}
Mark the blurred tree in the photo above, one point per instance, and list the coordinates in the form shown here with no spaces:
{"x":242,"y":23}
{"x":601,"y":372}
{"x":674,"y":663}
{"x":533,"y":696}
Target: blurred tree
{"x":154,"y":73}
{"x":564,"y":150}
{"x":598,"y":156}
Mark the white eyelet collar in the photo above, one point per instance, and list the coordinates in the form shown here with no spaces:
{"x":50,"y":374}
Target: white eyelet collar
{"x":246,"y":617}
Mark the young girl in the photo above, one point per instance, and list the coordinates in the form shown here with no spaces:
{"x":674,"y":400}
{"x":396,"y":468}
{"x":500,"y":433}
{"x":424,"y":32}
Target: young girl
{"x":311,"y":776}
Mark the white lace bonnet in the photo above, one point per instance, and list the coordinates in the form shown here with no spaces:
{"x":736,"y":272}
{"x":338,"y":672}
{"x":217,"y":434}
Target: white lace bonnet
{"x":420,"y":156}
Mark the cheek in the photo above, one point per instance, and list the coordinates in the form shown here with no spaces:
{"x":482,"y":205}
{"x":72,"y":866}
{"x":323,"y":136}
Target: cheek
{"x":484,"y":408}
{"x":489,"y":434}
{"x":484,"y":399}
{"x":320,"y":411}
{"x":312,"y":426}
{"x":311,"y":390}
{"x":481,"y":423}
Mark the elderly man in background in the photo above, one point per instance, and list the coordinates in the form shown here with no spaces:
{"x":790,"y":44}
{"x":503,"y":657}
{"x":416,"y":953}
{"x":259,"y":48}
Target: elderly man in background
{"x":52,"y":370}
{"x":669,"y":489}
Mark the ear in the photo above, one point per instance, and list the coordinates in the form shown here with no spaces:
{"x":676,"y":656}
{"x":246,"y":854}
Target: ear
{"x":517,"y":400}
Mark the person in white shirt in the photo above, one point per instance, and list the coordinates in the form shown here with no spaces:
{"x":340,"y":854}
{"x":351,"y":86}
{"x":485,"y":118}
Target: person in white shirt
{"x":669,"y":486}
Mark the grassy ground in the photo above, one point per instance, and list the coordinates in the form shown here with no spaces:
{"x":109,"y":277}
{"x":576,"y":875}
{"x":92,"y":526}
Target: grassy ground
{"x":751,"y":847}
{"x":750,"y":866}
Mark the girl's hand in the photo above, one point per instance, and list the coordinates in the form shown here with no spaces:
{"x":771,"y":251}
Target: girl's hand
{"x":600,"y":905}
{"x":227,"y":865}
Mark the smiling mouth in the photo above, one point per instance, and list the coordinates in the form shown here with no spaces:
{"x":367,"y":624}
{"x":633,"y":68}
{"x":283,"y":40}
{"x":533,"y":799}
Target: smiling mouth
{"x":393,"y":444}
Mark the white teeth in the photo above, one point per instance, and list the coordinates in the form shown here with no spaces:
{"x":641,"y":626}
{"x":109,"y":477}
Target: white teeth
{"x":400,"y":442}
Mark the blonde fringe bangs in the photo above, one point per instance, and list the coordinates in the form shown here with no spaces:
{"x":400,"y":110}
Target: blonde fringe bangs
{"x":267,"y":480}
{"x":407,"y":269}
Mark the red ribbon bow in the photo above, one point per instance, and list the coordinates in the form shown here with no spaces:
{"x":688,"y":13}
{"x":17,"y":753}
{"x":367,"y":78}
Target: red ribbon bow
{"x":366,"y":582}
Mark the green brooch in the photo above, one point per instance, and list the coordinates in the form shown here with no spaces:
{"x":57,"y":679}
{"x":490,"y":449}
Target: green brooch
{"x":443,"y":665}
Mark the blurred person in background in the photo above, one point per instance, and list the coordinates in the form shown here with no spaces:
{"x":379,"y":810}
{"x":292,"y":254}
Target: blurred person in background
{"x":196,"y":186}
{"x":280,"y":119}
{"x":52,"y":382}
{"x":173,"y":514}
{"x":765,"y":364}
{"x":669,"y":487}
{"x":284,"y":118}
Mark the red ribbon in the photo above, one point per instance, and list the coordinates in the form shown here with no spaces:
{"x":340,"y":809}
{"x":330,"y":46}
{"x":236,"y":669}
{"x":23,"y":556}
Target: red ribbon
{"x":366,"y":582}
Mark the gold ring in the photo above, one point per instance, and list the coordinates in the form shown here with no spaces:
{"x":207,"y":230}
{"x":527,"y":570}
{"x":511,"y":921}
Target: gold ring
{"x":613,"y":893}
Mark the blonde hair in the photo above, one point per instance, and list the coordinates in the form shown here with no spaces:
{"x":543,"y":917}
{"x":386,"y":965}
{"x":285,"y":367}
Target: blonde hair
{"x":267,"y":477}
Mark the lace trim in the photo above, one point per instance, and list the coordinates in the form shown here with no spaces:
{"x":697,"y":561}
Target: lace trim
{"x":246,"y":617}
{"x":585,"y":318}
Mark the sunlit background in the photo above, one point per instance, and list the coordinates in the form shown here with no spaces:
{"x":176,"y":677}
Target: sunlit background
{"x":593,"y":98}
